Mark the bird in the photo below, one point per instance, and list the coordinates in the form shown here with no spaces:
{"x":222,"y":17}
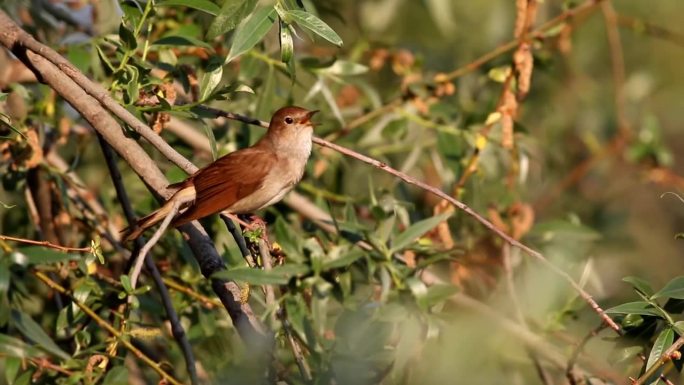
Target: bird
{"x":243,"y":181}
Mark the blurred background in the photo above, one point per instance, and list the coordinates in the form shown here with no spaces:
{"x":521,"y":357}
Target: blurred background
{"x":559,"y":121}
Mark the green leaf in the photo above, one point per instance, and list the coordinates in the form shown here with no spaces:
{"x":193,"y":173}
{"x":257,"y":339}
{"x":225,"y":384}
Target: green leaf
{"x":315,"y":25}
{"x":287,"y":49}
{"x":679,"y":327}
{"x":438,"y":293}
{"x":279,"y":275}
{"x":117,"y":375}
{"x":639,"y":307}
{"x":36,"y":255}
{"x":127,"y":38}
{"x":212,"y":140}
{"x":177,"y":40}
{"x":664,"y":341}
{"x":251,"y":31}
{"x":673,"y":289}
{"x":210,"y":80}
{"x":231,"y":14}
{"x":12,"y":365}
{"x":416,"y":230}
{"x":31,"y":330}
{"x":126,"y":283}
{"x":345,"y":260}
{"x":200,"y":5}
{"x":639,"y":284}
{"x":14,"y":347}
{"x":344,"y":68}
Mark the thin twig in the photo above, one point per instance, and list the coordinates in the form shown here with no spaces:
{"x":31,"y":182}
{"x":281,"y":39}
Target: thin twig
{"x":45,"y":244}
{"x":441,"y":194}
{"x":618,"y":67}
{"x":105,"y":325}
{"x":142,"y":254}
{"x":176,"y":328}
{"x":207,"y":302}
{"x":672,"y":353}
{"x":15,"y":39}
{"x":500,"y":50}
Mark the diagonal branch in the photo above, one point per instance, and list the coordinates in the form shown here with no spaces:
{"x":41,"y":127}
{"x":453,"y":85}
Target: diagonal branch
{"x":458,"y":204}
{"x":12,"y":37}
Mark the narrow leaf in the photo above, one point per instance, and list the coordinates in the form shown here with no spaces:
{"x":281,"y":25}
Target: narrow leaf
{"x":287,"y":49}
{"x":279,"y":275}
{"x":231,"y":14}
{"x":673,"y":289}
{"x":416,"y":230}
{"x":200,"y":5}
{"x":31,"y":330}
{"x":210,"y":80}
{"x":177,"y":40}
{"x":315,"y":25}
{"x":664,"y":341}
{"x":639,"y":307}
{"x":639,"y":284}
{"x":249,"y":33}
{"x":14,"y":347}
{"x":36,"y":255}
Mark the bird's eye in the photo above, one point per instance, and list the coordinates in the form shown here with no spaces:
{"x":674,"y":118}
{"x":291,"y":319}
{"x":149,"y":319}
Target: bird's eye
{"x":289,"y":120}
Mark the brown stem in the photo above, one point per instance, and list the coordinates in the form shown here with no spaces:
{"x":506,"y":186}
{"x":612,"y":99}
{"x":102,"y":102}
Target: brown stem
{"x":45,"y":244}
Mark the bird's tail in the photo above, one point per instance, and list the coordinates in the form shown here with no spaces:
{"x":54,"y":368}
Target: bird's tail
{"x":144,"y":223}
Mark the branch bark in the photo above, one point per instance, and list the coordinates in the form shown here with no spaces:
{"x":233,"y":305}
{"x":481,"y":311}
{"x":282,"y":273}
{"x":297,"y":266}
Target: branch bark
{"x":62,"y":78}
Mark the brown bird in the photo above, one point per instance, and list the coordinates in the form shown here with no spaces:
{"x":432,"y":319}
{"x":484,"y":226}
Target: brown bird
{"x":243,"y":181}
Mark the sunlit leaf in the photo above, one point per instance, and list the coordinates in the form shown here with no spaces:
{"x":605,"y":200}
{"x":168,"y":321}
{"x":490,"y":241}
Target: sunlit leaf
{"x":251,"y":31}
{"x":639,"y":307}
{"x":14,"y":347}
{"x":200,"y":5}
{"x":316,"y":25}
{"x":36,"y":255}
{"x":640,"y":284}
{"x":664,"y":341}
{"x":673,"y":289}
{"x":279,"y":275}
{"x":210,"y":80}
{"x":417,"y":230}
{"x":231,"y":14}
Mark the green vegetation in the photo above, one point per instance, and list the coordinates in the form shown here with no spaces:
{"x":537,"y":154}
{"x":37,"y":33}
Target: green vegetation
{"x":554,"y":122}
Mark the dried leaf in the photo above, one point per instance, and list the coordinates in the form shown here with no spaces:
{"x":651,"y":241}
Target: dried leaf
{"x":509,"y":111}
{"x":524,"y":63}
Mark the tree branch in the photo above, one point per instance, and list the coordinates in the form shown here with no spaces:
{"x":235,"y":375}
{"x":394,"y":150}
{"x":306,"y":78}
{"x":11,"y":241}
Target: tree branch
{"x":12,"y":37}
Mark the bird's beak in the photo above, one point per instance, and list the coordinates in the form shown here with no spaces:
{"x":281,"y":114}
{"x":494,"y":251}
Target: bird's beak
{"x":307,"y":119}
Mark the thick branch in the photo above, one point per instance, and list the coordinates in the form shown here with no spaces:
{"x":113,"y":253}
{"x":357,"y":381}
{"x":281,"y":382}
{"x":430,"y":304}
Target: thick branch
{"x":12,"y":37}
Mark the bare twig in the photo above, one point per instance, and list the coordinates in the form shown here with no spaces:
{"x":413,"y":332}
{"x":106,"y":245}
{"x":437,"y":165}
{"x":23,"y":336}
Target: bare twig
{"x":458,"y":204}
{"x":650,"y":29}
{"x":45,"y":244}
{"x":207,"y":302}
{"x":671,"y":354}
{"x":618,"y":66}
{"x":12,"y":37}
{"x":109,"y":328}
{"x":176,"y":327}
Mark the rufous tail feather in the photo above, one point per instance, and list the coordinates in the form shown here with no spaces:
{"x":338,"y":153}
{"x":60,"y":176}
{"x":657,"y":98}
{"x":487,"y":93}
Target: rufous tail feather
{"x":144,"y":223}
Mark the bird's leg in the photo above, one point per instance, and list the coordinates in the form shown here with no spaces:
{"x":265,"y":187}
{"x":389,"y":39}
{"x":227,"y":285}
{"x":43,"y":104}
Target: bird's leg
{"x":256,"y":223}
{"x":251,"y":225}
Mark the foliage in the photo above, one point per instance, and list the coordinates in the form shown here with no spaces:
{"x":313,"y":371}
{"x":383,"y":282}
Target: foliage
{"x":396,"y":287}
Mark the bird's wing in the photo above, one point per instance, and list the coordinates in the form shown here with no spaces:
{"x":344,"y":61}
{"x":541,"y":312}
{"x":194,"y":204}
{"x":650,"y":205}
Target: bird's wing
{"x":226,"y":181}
